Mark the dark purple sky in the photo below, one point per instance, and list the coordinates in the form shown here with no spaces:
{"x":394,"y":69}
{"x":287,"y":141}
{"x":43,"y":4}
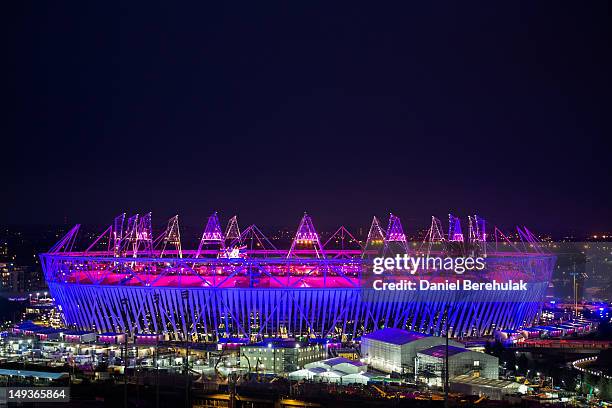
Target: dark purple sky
{"x":343,"y":110}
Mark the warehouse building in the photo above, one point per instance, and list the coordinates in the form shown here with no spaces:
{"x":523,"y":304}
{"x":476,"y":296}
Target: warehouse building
{"x":279,"y":356}
{"x":394,"y":350}
{"x":492,"y":388}
{"x":78,"y":336}
{"x":430,"y":364}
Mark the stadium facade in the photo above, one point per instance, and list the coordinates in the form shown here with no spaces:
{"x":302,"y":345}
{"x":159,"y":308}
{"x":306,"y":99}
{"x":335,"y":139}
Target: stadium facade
{"x":239,"y":284}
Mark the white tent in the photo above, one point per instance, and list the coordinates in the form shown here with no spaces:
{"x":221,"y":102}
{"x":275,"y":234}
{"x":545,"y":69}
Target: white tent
{"x":357,"y":378}
{"x":332,"y":376}
{"x":306,"y":373}
{"x":351,"y":367}
{"x":339,"y":363}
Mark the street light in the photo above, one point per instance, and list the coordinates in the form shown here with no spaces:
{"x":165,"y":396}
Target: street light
{"x":185,"y":297}
{"x":124,"y":303}
{"x":156,"y":300}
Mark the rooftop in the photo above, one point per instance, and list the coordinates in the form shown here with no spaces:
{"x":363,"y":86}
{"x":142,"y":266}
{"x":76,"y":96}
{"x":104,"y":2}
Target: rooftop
{"x":440,"y":351}
{"x":76,"y":332}
{"x":395,"y":336}
{"x":484,"y":382}
{"x":50,"y":330}
{"x":333,"y":373}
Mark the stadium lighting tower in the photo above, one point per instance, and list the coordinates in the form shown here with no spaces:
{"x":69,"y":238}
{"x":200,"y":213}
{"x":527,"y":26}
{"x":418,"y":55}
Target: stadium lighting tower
{"x":306,"y":236}
{"x":376,"y":236}
{"x":212,"y":234}
{"x":395,"y":239}
{"x":232,"y":232}
{"x":185,"y":297}
{"x":172,"y":236}
{"x":124,"y":303}
{"x":434,"y":235}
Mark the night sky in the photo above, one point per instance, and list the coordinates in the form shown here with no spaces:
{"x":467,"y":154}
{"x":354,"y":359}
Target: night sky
{"x":343,"y":110}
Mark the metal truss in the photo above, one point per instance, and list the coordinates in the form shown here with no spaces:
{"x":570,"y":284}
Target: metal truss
{"x":232,"y":232}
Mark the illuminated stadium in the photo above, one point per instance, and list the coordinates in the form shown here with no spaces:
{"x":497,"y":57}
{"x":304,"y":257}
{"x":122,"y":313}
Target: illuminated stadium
{"x":239,"y":284}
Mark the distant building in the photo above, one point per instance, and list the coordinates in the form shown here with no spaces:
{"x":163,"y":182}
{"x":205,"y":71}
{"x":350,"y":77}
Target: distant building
{"x":78,"y":336}
{"x":394,"y":350}
{"x":18,"y":278}
{"x":111,"y":338}
{"x":430,"y":364}
{"x":148,"y":338}
{"x":568,"y":275}
{"x":350,"y":353}
{"x":280,"y":356}
{"x":49,"y":334}
{"x":6,"y":276}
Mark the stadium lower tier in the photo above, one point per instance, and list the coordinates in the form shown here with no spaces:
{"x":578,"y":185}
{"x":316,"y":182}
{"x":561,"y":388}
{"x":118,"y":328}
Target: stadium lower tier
{"x":347,"y":313}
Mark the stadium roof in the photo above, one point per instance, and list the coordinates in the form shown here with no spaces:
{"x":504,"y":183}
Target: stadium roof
{"x":395,"y":336}
{"x":440,"y":351}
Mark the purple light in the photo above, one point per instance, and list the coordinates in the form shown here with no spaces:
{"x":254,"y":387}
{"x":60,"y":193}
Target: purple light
{"x":454,"y":229}
{"x":395,"y":231}
{"x":307,"y":289}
